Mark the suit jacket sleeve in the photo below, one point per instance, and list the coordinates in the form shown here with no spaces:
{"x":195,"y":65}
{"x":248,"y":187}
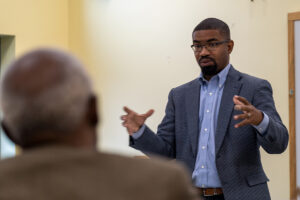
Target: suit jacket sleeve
{"x":275,"y":140}
{"x":162,"y":143}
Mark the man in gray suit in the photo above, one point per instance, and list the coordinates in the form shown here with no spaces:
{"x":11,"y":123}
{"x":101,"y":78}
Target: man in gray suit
{"x":49,"y":109}
{"x":216,"y":123}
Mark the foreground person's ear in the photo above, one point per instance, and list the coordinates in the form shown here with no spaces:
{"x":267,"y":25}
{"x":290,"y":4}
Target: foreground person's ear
{"x":92,"y":112}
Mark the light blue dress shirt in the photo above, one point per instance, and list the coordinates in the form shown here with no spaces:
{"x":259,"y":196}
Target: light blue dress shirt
{"x":205,"y":174}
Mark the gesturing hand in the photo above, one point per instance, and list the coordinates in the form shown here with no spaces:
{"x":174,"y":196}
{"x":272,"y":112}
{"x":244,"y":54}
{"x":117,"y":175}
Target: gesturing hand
{"x":133,"y":121}
{"x":250,"y":115}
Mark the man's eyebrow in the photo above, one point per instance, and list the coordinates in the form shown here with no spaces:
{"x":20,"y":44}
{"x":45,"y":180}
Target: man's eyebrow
{"x":210,"y":40}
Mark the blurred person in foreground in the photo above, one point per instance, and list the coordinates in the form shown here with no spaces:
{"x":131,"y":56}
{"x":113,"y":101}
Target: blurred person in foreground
{"x":216,"y":123}
{"x":49,"y":109}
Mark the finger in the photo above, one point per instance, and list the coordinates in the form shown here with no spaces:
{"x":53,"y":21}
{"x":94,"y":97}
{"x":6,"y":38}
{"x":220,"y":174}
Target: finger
{"x":236,"y":101}
{"x":123,"y":117}
{"x":242,"y":100}
{"x":127,"y":110}
{"x":243,"y":108}
{"x":242,"y":123}
{"x":148,"y":114}
{"x":242,"y":116}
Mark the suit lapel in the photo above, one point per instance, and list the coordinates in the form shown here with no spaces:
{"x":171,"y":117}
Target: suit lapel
{"x":231,"y":88}
{"x":192,"y":106}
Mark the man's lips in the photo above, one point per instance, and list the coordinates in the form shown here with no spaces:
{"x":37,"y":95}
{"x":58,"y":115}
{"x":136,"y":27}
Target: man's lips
{"x":206,"y":61}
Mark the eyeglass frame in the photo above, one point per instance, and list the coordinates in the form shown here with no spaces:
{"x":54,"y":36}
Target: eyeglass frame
{"x":217,"y":43}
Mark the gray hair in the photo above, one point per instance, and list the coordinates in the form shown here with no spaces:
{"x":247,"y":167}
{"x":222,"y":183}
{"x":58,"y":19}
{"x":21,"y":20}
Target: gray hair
{"x":58,"y":108}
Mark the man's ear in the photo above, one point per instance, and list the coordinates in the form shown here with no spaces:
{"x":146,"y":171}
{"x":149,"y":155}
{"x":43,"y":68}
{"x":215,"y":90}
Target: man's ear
{"x":9,"y":134}
{"x":92,"y":112}
{"x":230,"y":46}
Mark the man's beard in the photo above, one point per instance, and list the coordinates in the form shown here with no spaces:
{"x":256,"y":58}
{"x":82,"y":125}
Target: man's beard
{"x":210,"y":70}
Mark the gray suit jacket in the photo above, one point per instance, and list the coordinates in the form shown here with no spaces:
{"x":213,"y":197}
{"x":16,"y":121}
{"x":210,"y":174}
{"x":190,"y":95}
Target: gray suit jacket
{"x":237,"y":149}
{"x":70,"y":173}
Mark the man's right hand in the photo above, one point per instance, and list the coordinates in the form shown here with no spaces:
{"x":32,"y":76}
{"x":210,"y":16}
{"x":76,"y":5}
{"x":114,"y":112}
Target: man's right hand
{"x":134,"y":121}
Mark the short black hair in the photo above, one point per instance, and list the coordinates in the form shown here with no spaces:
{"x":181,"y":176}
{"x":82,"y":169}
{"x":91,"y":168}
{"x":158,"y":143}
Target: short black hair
{"x":214,"y":24}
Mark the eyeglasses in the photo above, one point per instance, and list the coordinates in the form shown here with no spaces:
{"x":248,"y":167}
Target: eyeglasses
{"x":210,"y":46}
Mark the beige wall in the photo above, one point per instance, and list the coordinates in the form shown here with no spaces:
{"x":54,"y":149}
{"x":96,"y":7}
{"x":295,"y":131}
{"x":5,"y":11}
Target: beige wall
{"x":78,"y":36}
{"x":139,"y":50}
{"x":35,"y":23}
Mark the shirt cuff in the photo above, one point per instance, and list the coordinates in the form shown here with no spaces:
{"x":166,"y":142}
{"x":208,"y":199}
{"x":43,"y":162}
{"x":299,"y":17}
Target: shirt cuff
{"x":262,"y":127}
{"x":139,"y":133}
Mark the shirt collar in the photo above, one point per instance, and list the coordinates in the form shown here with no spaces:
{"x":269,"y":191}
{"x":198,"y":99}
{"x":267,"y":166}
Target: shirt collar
{"x":222,"y":75}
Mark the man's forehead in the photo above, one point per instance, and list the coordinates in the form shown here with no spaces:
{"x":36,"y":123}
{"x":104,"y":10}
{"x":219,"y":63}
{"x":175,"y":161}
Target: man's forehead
{"x":207,"y":35}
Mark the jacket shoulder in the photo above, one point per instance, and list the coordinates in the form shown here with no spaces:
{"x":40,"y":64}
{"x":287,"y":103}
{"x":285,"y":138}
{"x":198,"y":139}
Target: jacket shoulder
{"x":185,"y":86}
{"x":247,"y":78}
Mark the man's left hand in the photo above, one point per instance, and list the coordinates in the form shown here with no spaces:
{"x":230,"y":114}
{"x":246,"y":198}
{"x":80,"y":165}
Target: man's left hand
{"x":250,"y":114}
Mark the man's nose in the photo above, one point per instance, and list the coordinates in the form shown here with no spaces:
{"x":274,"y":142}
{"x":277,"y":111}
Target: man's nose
{"x":204,"y":51}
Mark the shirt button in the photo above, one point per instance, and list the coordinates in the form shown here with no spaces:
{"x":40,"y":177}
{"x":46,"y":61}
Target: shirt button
{"x":207,"y":111}
{"x":205,"y":129}
{"x":210,"y":93}
{"x":202,"y":185}
{"x":203,"y":147}
{"x":220,"y":85}
{"x":202,"y":166}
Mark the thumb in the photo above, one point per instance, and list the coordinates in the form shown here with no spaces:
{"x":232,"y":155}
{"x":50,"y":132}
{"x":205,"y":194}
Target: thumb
{"x":149,"y":113}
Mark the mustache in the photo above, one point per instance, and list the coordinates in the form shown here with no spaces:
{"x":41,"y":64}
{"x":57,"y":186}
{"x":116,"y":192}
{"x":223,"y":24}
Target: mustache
{"x":202,"y":58}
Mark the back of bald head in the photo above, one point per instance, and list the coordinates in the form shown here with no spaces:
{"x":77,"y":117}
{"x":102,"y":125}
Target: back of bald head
{"x":44,"y":95}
